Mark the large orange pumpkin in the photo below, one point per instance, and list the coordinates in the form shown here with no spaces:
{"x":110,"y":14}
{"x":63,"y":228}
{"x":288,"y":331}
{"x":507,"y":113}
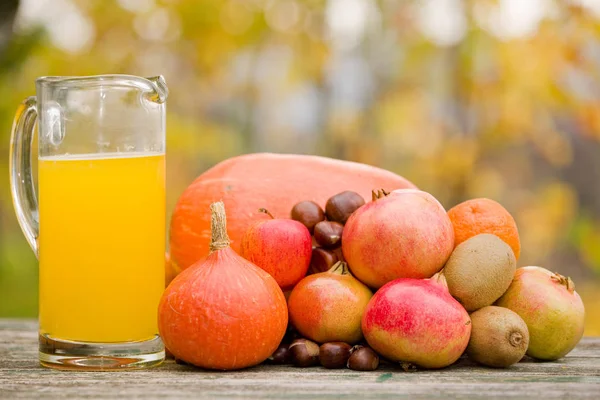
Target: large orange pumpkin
{"x":263,"y":180}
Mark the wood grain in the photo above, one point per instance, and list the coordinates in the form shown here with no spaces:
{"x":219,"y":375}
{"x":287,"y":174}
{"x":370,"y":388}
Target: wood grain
{"x":575,"y":376}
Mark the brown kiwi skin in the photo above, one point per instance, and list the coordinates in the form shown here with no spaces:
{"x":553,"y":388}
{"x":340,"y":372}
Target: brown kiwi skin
{"x":480,"y":270}
{"x":499,"y":337}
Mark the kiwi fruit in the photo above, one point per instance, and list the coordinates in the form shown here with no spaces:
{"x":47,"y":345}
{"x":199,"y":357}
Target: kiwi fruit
{"x":499,"y":337}
{"x":480,"y":270}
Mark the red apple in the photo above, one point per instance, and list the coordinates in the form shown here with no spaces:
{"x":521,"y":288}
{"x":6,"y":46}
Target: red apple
{"x":282,"y":247}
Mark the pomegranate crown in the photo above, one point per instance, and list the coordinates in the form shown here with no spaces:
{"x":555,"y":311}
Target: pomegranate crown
{"x":565,"y":281}
{"x":378,"y":194}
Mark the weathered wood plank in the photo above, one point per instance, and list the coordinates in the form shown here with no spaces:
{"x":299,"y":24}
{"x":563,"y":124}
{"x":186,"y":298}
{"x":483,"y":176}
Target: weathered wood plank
{"x":575,"y":376}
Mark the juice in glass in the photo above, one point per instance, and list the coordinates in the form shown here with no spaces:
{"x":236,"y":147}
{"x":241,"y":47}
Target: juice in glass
{"x":101,"y":246}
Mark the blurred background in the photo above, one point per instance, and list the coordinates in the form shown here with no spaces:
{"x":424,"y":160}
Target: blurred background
{"x":466,"y":98}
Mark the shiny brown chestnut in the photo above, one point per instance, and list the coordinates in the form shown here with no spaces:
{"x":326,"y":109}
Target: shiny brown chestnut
{"x":308,"y":213}
{"x":291,"y":333}
{"x":334,"y":354}
{"x":363,"y":358}
{"x":321,"y":260}
{"x":338,"y":253}
{"x":304,"y":353}
{"x":342,"y":205}
{"x":280,"y":356}
{"x":328,"y":233}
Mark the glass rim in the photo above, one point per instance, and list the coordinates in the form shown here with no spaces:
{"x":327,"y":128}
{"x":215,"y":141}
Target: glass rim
{"x":155,"y":86}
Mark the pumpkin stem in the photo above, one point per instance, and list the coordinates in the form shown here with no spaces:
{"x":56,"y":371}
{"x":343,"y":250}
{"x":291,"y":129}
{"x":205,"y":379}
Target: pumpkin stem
{"x":218,"y":226}
{"x":265,"y":211}
{"x":339,"y":268}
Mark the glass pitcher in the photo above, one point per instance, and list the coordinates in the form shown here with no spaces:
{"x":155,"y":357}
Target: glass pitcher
{"x":98,"y":228}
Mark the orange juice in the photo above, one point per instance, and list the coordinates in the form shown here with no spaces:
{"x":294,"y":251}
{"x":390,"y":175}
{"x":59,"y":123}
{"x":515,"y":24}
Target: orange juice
{"x":101,"y":246}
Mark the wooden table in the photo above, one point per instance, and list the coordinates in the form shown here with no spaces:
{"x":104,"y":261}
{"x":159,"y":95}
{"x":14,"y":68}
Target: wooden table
{"x":575,"y":376}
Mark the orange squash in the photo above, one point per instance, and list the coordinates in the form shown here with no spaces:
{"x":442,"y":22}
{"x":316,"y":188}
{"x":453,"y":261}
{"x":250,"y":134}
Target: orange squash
{"x":264,"y":180}
{"x":171,"y":269}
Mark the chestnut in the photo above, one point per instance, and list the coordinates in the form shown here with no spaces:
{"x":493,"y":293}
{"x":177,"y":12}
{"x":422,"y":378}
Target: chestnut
{"x":304,"y":353}
{"x":322,"y":260}
{"x":328,"y":233}
{"x":308,"y":213}
{"x":338,"y":253}
{"x":342,"y":205}
{"x":363,"y":358}
{"x":334,"y":354}
{"x":280,"y":356}
{"x":291,"y":333}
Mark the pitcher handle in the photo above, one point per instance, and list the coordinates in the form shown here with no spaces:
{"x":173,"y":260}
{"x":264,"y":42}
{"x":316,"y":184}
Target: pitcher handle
{"x":21,"y":178}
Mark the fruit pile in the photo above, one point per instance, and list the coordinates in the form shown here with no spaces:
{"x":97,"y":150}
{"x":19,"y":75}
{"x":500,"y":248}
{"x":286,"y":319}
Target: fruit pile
{"x":396,"y":279}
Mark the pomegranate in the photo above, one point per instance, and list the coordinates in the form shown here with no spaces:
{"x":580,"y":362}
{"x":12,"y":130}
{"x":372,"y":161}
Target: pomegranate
{"x":405,"y":234}
{"x":282,"y":247}
{"x":222,"y":312}
{"x":328,"y":306}
{"x":551,"y":308}
{"x":416,"y":321}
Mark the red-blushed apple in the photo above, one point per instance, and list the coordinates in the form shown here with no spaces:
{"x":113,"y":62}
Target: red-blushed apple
{"x":281,"y":247}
